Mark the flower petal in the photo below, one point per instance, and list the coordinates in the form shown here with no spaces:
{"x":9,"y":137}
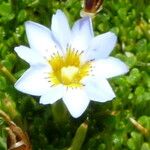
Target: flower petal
{"x":40,"y":39}
{"x":101,"y":46}
{"x":76,"y":101}
{"x":53,"y":94}
{"x":98,"y":89}
{"x":61,"y":29}
{"x":29,"y":55}
{"x":109,"y":67}
{"x":34,"y":81}
{"x":82,"y":33}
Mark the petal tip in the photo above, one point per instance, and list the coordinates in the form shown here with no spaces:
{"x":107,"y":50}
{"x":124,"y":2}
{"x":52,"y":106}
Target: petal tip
{"x":59,"y":12}
{"x":17,"y":48}
{"x":126,"y":68}
{"x":123,"y":67}
{"x":28,"y":23}
{"x":18,"y":86}
{"x":43,"y":101}
{"x":113,"y":35}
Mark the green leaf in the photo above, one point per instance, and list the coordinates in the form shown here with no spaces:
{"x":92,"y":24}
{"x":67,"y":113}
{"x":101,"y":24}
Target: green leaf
{"x":3,"y":83}
{"x":135,"y":141}
{"x":6,"y":12}
{"x":3,"y":142}
{"x":145,"y":146}
{"x":145,"y":121}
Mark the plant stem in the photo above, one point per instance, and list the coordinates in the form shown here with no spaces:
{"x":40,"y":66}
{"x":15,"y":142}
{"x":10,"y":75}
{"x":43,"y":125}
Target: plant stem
{"x":5,"y":71}
{"x":79,"y":137}
{"x":143,"y":130}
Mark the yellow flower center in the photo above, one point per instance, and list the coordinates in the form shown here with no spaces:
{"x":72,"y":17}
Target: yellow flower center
{"x":68,"y":69}
{"x":68,"y":74}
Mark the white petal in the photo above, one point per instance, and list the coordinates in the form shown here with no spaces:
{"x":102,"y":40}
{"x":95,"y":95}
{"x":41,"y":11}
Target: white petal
{"x":98,"y":89}
{"x":101,"y":46}
{"x":76,"y":101}
{"x":40,"y":39}
{"x":53,"y":94}
{"x":61,"y":29}
{"x":34,"y":81}
{"x":109,"y":67}
{"x":29,"y":55}
{"x":82,"y":33}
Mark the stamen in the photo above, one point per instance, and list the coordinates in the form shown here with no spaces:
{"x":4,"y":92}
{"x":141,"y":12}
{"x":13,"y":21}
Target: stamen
{"x":68,"y":69}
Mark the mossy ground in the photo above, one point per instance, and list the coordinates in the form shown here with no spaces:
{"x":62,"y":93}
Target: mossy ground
{"x":109,"y":124}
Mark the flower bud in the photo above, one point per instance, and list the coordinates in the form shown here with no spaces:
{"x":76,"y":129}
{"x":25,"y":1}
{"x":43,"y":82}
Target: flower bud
{"x":91,"y":7}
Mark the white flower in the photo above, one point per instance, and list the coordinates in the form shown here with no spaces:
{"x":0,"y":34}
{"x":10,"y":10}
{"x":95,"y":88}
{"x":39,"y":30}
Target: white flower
{"x":67,"y":63}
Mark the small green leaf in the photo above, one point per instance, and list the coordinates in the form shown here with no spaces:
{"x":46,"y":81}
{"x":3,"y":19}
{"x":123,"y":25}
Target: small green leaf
{"x":3,"y":83}
{"x":145,"y":146}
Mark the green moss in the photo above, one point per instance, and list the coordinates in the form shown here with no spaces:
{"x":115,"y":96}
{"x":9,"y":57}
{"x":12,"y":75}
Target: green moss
{"x":108,"y":123}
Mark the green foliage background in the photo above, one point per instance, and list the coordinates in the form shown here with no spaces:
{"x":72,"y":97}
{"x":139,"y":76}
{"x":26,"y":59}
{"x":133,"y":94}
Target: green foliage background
{"x":109,"y":126}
